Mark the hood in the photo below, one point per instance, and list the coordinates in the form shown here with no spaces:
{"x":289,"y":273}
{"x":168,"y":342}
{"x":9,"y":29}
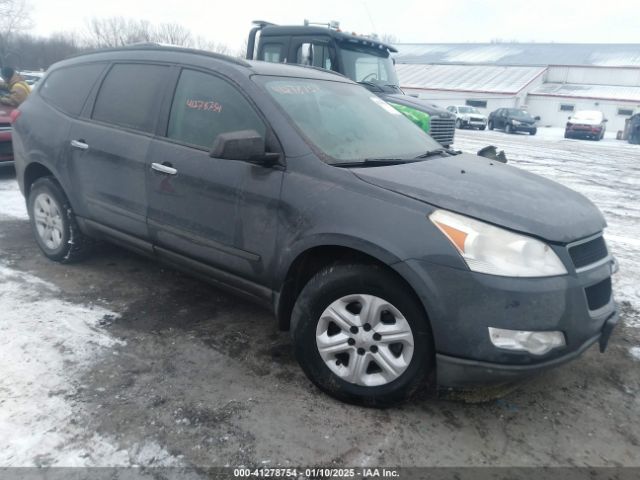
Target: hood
{"x":493,"y":192}
{"x":418,"y":104}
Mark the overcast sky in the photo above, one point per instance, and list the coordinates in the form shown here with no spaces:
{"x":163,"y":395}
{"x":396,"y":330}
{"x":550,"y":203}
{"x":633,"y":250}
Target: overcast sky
{"x":428,"y":21}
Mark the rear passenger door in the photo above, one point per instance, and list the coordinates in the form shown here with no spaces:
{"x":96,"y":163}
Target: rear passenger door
{"x":109,"y":149}
{"x":222,"y":213}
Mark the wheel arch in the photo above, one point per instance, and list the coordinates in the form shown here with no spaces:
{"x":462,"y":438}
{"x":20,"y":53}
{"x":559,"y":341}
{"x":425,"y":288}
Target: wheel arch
{"x":311,"y":258}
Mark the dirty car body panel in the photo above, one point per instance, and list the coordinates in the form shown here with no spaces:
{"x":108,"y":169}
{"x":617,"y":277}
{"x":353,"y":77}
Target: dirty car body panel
{"x":243,"y":225}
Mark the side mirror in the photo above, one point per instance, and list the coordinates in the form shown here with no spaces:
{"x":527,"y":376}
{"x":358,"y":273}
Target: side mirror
{"x":491,"y":152}
{"x":537,"y":118}
{"x":246,"y":145}
{"x":605,"y":120}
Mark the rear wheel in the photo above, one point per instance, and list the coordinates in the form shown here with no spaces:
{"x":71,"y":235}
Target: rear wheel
{"x":53,"y":222}
{"x":360,"y":336}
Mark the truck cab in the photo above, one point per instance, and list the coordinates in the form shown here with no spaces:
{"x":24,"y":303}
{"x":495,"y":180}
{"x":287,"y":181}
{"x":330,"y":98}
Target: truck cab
{"x":362,"y":59}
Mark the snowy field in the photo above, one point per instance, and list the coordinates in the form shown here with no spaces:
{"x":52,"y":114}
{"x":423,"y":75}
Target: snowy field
{"x":48,"y":342}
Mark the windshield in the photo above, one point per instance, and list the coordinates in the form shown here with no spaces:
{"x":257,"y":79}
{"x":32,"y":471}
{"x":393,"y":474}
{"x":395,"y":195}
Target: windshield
{"x":468,"y":110}
{"x":362,"y":64}
{"x":518,"y":113}
{"x":347,"y":122}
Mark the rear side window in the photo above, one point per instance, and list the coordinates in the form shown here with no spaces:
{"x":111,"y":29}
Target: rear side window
{"x":68,"y":88}
{"x":204,"y":106}
{"x":130,"y":96}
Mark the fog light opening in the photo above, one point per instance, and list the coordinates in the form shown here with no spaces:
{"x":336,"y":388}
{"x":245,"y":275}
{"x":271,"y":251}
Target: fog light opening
{"x":535,"y":343}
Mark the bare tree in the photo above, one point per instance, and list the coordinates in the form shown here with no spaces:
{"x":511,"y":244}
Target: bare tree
{"x":118,"y":32}
{"x":388,"y":38}
{"x":204,"y":44}
{"x":15,"y":17}
{"x":174,"y":34}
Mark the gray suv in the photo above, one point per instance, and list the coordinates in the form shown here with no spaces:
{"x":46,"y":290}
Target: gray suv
{"x":393,"y":262}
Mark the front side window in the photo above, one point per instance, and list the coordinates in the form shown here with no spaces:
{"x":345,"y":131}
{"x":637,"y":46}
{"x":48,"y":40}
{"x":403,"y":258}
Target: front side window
{"x":68,"y":88}
{"x":314,"y":54}
{"x":130,"y":96}
{"x":204,"y":106}
{"x":347,"y":122}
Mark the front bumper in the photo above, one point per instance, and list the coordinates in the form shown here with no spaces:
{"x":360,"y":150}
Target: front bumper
{"x":462,"y":305}
{"x":524,"y":128}
{"x":454,"y":372}
{"x":473,"y":123}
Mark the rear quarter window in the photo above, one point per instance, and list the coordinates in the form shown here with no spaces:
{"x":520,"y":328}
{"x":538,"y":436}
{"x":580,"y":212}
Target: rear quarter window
{"x":68,"y":88}
{"x":130,"y":96}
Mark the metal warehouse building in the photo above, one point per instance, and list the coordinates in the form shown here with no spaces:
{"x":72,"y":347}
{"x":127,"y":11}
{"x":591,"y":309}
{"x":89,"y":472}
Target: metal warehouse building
{"x":551,"y":79}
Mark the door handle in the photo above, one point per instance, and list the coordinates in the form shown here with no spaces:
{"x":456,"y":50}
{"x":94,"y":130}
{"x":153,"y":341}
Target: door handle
{"x":79,"y":144}
{"x":168,"y":169}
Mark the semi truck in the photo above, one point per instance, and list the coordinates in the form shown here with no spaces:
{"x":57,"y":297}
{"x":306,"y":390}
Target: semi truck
{"x":365,"y":60}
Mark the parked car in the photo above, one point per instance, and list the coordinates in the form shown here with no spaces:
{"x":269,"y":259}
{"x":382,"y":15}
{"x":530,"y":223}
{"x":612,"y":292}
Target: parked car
{"x":586,"y":124}
{"x":391,"y":260}
{"x":468,"y":117}
{"x":513,"y":120}
{"x":6,"y":150}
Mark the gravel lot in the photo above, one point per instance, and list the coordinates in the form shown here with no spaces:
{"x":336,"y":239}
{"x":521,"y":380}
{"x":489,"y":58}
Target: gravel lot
{"x":120,"y":361}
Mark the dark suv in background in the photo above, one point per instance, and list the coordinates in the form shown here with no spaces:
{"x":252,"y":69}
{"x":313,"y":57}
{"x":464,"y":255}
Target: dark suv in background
{"x":392,"y":261}
{"x":513,"y":120}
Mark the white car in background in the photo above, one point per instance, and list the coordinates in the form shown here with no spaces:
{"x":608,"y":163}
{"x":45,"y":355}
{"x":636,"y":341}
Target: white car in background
{"x":468,"y":117}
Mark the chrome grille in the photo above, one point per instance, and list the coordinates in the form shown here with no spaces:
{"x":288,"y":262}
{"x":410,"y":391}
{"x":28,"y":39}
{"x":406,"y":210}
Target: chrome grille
{"x":443,"y":130}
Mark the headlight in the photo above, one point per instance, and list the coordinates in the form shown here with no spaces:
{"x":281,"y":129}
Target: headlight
{"x":496,"y":251}
{"x":516,"y":122}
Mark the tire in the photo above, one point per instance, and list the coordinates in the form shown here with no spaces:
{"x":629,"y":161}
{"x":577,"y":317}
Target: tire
{"x":490,"y":125}
{"x":458,"y":123}
{"x":508,"y":128}
{"x":53,"y":222}
{"x":345,"y":287}
{"x":566,"y":134}
{"x":482,"y":128}
{"x":533,"y":132}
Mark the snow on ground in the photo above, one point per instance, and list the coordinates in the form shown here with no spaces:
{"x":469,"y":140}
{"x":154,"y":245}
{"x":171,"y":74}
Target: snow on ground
{"x":635,"y":352}
{"x":11,"y":200}
{"x":45,"y":343}
{"x":606,"y":172}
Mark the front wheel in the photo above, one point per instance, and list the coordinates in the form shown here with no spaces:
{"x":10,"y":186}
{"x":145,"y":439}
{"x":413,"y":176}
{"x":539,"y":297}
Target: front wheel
{"x":53,"y":222}
{"x":458,"y":123}
{"x":361,"y":337}
{"x":533,"y":132}
{"x":490,"y":125}
{"x":508,"y":128}
{"x":482,"y":128}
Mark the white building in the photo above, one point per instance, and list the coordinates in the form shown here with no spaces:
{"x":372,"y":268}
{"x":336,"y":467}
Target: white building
{"x":551,"y":80}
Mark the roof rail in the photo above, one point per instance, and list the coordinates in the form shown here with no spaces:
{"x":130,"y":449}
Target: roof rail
{"x":167,"y":48}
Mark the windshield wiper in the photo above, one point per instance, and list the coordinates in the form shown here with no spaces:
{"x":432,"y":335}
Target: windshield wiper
{"x":434,"y":152}
{"x":371,"y":84}
{"x":375,"y":162}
